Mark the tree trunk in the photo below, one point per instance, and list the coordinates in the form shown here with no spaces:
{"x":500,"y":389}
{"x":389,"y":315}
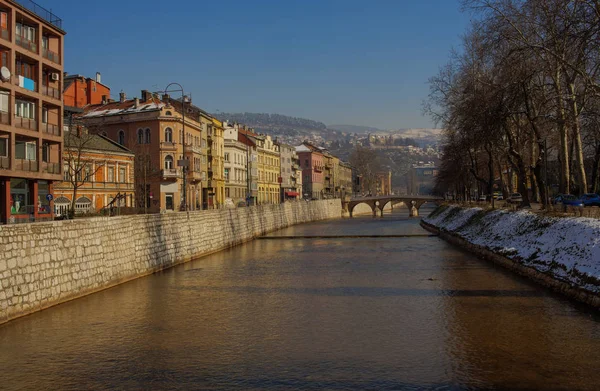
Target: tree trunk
{"x":596,"y":169}
{"x":565,"y":175}
{"x":577,"y":141}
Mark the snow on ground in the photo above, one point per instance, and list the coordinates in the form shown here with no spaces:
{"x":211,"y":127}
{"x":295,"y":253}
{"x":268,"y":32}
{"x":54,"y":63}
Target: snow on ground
{"x":567,"y":248}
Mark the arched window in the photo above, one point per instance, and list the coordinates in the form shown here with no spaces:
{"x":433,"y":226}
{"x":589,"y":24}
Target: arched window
{"x":168,"y":162}
{"x":140,"y":134}
{"x":181,"y":137}
{"x":168,"y":135}
{"x":168,"y":113}
{"x":147,"y":136}
{"x":121,"y":137}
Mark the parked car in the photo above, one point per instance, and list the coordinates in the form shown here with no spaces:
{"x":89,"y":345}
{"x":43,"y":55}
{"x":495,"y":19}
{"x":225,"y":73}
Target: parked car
{"x":590,"y":199}
{"x":568,"y":199}
{"x":482,"y":198}
{"x":515,"y":198}
{"x":500,"y":197}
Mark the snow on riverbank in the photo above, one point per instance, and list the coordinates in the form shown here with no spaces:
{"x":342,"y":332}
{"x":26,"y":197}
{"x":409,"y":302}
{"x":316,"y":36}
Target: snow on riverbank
{"x":567,"y":248}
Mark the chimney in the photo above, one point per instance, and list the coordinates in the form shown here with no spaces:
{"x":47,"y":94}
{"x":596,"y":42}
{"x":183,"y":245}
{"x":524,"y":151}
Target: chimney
{"x":98,"y":77}
{"x":165,"y":98}
{"x":146,"y":95}
{"x":136,"y":103}
{"x":122,"y":97}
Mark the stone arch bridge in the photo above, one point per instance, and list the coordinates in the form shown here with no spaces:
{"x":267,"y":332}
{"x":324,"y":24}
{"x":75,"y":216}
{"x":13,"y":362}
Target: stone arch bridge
{"x":412,"y":202}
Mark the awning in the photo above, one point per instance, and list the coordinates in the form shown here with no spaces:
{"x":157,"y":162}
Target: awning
{"x":291,"y":193}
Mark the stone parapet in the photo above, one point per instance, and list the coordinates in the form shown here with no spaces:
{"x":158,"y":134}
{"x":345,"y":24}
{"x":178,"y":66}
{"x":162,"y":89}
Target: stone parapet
{"x":44,"y":264}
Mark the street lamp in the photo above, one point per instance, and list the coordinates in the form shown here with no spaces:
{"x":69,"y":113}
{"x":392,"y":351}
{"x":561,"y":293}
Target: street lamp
{"x":183,"y":163}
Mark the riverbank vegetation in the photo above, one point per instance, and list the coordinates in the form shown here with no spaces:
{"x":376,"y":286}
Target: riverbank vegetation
{"x":521,"y":99}
{"x":567,"y":248}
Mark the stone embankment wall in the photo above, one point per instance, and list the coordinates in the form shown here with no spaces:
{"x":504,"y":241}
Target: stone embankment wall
{"x":562,"y":254}
{"x":44,"y":264}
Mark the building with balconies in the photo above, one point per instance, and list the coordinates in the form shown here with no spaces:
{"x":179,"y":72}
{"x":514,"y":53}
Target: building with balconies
{"x":236,"y":168}
{"x":312,"y":162}
{"x":288,"y":174}
{"x":31,"y":110}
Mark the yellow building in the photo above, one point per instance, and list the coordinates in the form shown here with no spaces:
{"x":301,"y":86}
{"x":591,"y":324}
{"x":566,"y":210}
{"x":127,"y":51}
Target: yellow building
{"x":216,"y":151}
{"x":269,"y":168}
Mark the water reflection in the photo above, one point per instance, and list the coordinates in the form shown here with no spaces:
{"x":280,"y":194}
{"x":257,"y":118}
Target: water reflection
{"x":398,"y":313}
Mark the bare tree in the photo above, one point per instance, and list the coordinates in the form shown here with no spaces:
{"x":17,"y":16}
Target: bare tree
{"x":78,"y":144}
{"x":366,"y":163}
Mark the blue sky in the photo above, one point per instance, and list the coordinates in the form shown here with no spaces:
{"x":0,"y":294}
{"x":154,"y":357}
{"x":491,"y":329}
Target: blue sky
{"x":335,"y":61}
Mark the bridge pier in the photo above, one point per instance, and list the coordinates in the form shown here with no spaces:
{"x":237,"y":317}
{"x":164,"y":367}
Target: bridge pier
{"x":413,"y":211}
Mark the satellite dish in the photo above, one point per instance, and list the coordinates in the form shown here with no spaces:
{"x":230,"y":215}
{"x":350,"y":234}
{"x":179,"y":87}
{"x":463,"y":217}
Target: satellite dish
{"x":4,"y":74}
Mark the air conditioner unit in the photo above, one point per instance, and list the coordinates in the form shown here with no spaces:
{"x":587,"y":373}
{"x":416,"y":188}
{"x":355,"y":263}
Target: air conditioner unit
{"x":55,"y":76}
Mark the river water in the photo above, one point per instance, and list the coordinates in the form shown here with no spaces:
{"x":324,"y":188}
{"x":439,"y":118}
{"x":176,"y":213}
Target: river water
{"x":337,"y":313}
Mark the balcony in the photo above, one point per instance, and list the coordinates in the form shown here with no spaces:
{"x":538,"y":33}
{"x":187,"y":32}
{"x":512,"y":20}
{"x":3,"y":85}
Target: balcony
{"x":4,"y":163}
{"x":328,"y":165}
{"x":42,"y":12}
{"x":5,"y":34}
{"x":125,"y":186}
{"x":26,"y":165}
{"x":193,"y":148}
{"x":50,"y":91}
{"x":50,"y":55}
{"x":26,"y":43}
{"x":26,"y":83}
{"x":51,"y":168}
{"x":168,"y":146}
{"x":318,"y":169}
{"x":171,"y":173}
{"x":25,"y":123}
{"x":195,"y":175}
{"x":51,"y":129}
{"x":4,"y":117}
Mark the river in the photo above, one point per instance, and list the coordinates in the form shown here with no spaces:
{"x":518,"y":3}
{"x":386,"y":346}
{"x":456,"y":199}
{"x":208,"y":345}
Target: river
{"x":313,"y":313}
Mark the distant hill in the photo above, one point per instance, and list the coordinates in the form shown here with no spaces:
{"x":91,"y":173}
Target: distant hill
{"x":270,"y":121}
{"x":354,"y":129}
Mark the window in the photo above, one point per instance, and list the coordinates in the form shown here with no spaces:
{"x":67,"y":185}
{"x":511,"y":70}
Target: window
{"x":181,"y":137}
{"x":25,"y":69}
{"x":44,"y":115}
{"x":226,"y":173}
{"x":25,"y":150}
{"x":25,"y":32}
{"x":168,"y":135}
{"x":4,"y":101}
{"x":147,"y":136}
{"x":226,"y":156}
{"x":121,"y":137}
{"x":4,"y":147}
{"x":25,"y":109}
{"x":4,"y":20}
{"x":122,"y":174}
{"x":168,"y":113}
{"x":111,"y":174}
{"x":45,"y":152}
{"x":66,"y":172}
{"x":140,"y":136}
{"x":168,"y":162}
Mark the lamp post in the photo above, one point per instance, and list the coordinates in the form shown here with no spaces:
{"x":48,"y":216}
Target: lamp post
{"x":183,"y":163}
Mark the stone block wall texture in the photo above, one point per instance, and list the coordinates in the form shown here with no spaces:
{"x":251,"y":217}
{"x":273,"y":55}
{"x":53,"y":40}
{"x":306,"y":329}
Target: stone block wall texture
{"x":44,"y":264}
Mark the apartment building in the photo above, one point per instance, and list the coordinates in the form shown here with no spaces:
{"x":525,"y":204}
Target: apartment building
{"x":269,"y":169}
{"x":31,"y":110}
{"x":169,"y":140}
{"x":235,"y":164}
{"x":289,"y":164}
{"x":216,"y":157}
{"x":312,"y":163}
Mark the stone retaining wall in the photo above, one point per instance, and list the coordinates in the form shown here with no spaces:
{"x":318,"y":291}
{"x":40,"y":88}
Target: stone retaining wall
{"x":544,"y":279}
{"x":44,"y":264}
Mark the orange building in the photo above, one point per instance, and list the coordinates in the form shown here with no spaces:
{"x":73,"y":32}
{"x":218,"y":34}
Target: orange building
{"x":102,"y":170}
{"x":165,"y":147}
{"x":31,"y":110}
{"x":80,"y":91}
